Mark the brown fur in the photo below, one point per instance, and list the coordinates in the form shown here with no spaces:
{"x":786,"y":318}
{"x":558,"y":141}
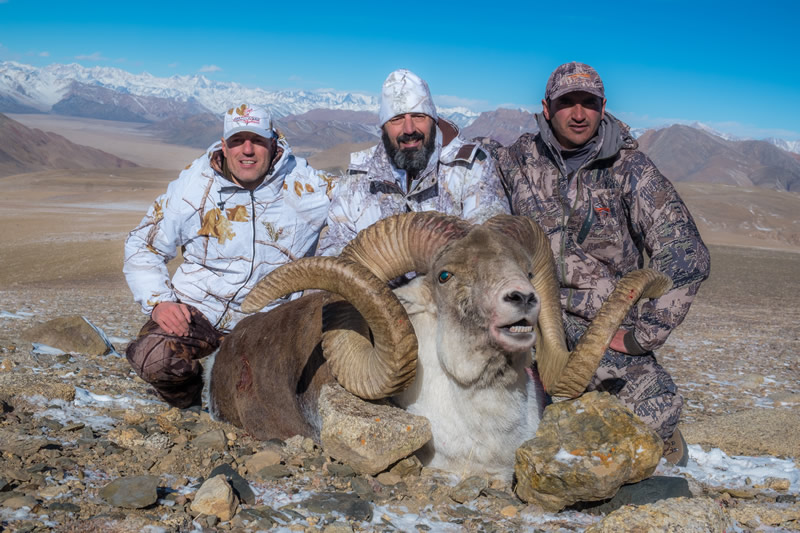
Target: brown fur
{"x":252,"y":365}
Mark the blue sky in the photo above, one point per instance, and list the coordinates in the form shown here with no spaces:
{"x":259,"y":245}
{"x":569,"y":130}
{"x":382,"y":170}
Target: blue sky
{"x":734,"y":66}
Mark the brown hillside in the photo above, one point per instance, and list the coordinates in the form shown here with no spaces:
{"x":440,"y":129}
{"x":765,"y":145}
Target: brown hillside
{"x":502,"y":125}
{"x":683,"y":153}
{"x":23,"y":149}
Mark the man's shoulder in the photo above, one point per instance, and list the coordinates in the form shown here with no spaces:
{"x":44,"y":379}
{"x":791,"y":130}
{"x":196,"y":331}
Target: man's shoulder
{"x":463,"y":151}
{"x":359,"y":161}
{"x":197,"y":171}
{"x":633,"y":158}
{"x":306,"y":180}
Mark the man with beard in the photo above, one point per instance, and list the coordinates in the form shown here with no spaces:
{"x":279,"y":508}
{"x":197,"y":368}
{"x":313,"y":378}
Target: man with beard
{"x":423,"y":164}
{"x":604,"y":206}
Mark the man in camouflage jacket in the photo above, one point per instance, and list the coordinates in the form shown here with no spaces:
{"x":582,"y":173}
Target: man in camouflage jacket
{"x":603,"y":205}
{"x":423,"y":164}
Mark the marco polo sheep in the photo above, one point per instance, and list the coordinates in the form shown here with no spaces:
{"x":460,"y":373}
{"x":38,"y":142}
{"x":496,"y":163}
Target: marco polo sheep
{"x":453,"y":345}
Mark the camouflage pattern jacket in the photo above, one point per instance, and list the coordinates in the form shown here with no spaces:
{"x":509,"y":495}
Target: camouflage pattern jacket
{"x":460,"y":179}
{"x":230,"y":237}
{"x":601,"y":221}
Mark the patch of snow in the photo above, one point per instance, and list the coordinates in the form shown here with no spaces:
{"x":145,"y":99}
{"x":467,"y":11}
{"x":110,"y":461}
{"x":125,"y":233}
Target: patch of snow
{"x":17,"y":316}
{"x":716,"y":468}
{"x":43,"y":349}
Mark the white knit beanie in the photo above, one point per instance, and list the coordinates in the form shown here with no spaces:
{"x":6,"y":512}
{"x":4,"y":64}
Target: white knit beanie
{"x":405,"y":92}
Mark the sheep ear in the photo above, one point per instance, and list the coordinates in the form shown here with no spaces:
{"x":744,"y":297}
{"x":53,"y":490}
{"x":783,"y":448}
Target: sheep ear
{"x":416,"y":297}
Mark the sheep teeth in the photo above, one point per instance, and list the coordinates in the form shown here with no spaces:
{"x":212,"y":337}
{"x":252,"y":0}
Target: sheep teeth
{"x":520,"y":329}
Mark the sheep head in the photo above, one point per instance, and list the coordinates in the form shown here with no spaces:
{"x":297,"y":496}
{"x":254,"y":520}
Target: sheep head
{"x":484,"y":307}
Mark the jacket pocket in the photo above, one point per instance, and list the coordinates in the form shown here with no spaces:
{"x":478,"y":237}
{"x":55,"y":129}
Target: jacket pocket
{"x":603,"y":226}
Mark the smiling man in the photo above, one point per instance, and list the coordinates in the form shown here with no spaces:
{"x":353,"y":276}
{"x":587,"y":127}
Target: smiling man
{"x":604,"y":204}
{"x":422,"y":164}
{"x":236,"y":213}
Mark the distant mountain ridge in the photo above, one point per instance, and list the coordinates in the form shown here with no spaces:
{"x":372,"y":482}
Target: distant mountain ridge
{"x":114,"y":94}
{"x":44,"y":88}
{"x":24,"y":149}
{"x":684,"y":153}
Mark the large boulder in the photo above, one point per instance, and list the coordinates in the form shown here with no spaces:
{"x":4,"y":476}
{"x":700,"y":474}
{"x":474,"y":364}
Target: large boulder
{"x":368,"y":436}
{"x":585,"y":450}
{"x":72,"y":334}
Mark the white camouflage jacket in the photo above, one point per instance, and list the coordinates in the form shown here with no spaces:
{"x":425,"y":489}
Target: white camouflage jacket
{"x":460,"y":179}
{"x":230,"y":237}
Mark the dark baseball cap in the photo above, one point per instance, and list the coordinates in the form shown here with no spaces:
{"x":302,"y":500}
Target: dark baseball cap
{"x":571,"y":77}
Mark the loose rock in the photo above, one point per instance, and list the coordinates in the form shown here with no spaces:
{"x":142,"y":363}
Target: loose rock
{"x":215,"y":497}
{"x":135,"y":492}
{"x":585,"y":450}
{"x":368,"y":436}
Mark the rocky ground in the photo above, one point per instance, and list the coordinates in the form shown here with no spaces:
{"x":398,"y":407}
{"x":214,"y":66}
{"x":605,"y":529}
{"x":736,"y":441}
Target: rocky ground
{"x":72,"y":424}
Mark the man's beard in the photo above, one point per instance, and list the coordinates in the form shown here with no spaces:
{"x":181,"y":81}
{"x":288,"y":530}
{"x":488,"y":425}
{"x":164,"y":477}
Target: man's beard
{"x":412,"y":160}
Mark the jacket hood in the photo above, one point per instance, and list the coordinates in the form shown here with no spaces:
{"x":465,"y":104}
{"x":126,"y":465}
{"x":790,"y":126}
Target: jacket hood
{"x":614,"y":136}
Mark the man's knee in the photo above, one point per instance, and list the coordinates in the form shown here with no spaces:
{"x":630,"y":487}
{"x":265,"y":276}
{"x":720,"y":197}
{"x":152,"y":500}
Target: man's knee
{"x":643,"y":386}
{"x":160,"y":358}
{"x":661,"y":413}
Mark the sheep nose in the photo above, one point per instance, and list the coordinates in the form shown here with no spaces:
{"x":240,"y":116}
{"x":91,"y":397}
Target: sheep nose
{"x":525,"y":300}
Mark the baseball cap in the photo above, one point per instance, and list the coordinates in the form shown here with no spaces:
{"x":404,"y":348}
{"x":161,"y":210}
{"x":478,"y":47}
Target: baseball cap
{"x":248,"y":118}
{"x":571,"y":77}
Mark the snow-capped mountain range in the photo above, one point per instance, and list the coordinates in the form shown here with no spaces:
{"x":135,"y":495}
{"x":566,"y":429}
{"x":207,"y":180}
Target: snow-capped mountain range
{"x":42,"y":89}
{"x":112,"y":93}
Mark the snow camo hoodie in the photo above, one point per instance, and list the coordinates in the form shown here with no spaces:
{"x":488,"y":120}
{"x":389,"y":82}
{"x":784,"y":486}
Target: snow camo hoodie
{"x":601,"y":220}
{"x":460,"y":179}
{"x":230,"y":237}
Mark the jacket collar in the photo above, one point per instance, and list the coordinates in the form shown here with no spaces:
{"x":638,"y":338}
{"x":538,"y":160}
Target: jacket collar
{"x":613,"y":135}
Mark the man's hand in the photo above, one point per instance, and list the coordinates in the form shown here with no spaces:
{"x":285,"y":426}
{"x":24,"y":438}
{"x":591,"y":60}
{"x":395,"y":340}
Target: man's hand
{"x":618,"y":342}
{"x":173,"y":317}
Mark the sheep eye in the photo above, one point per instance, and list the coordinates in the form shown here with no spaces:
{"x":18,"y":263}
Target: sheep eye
{"x":444,"y":276}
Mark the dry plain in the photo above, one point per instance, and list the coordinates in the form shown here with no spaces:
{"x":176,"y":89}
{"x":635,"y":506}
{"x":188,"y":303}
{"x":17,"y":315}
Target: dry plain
{"x":736,"y":358}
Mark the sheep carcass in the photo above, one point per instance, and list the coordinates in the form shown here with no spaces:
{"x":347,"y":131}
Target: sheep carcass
{"x":453,"y":345}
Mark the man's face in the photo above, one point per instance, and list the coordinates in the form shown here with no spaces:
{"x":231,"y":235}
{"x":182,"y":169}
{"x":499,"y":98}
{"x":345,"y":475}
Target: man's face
{"x":249,"y":157}
{"x":409,"y":140}
{"x":574,"y":117}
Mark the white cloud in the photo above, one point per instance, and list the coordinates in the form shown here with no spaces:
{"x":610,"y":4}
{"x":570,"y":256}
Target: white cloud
{"x":97,"y":56}
{"x":210,"y":68}
{"x":44,"y":54}
{"x":173,"y":65}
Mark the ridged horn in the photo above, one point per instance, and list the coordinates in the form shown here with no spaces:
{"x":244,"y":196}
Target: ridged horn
{"x":574,"y":377}
{"x":404,"y":243}
{"x":366,"y":370}
{"x":565,"y":373}
{"x":551,"y":345}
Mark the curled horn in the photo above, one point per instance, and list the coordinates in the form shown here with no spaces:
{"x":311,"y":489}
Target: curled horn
{"x":565,"y":373}
{"x":381,"y":252}
{"x":368,"y":371}
{"x":404,"y":243}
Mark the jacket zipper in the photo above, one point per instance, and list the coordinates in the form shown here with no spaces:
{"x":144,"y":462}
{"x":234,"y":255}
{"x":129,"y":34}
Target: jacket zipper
{"x":252,"y":260}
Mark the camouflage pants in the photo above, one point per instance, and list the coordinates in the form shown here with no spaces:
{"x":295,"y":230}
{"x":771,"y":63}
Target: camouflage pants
{"x":171,"y":363}
{"x":642,"y":385}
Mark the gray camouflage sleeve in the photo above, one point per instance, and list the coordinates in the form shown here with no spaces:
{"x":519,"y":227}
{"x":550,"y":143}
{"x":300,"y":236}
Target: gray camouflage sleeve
{"x":662,"y":223}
